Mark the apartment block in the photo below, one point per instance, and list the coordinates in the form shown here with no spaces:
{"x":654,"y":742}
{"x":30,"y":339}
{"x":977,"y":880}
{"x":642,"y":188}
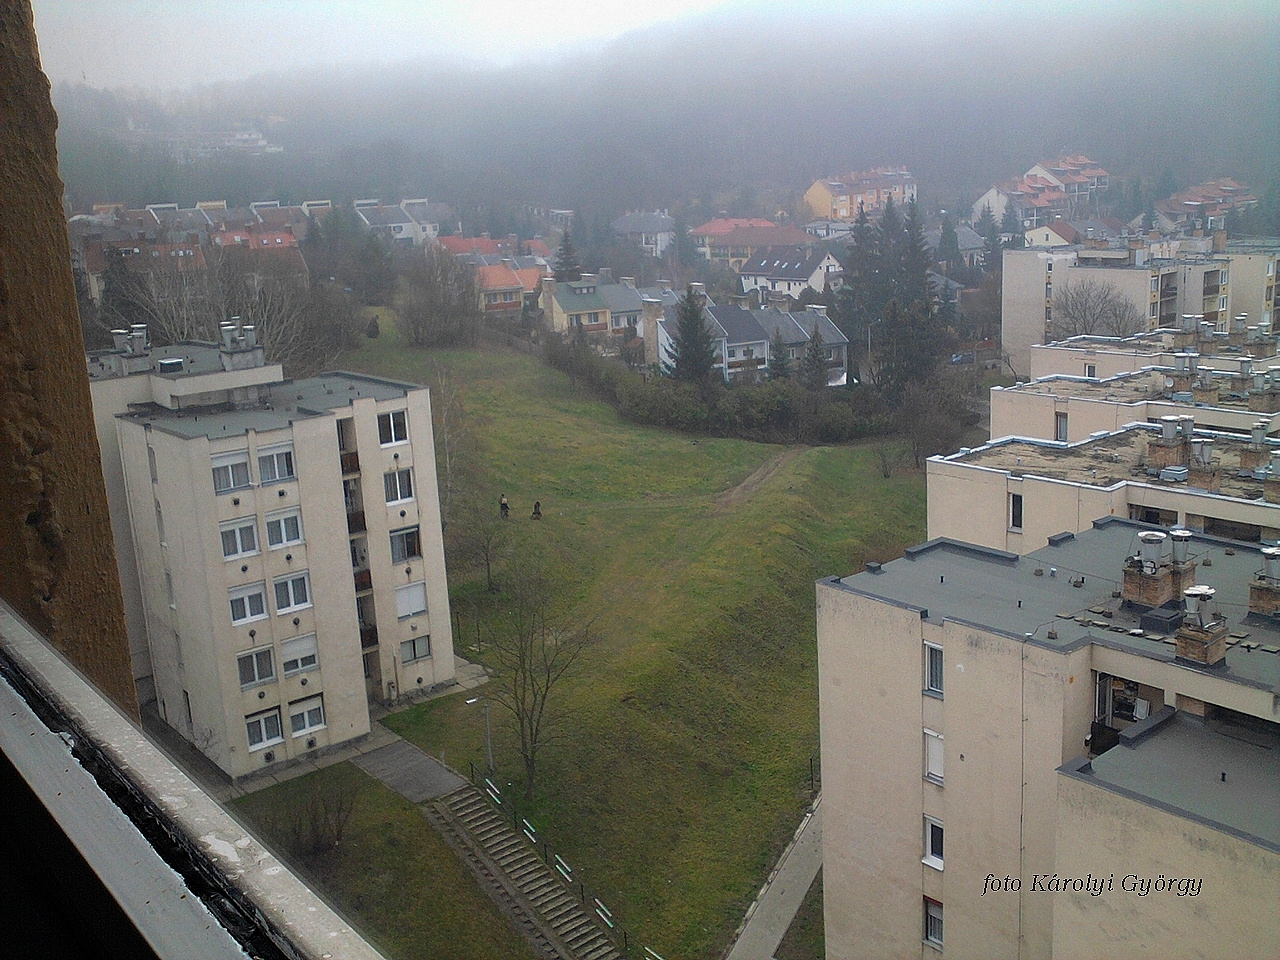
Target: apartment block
{"x":1070,"y":753}
{"x":1071,"y":408}
{"x":279,"y":543}
{"x":1015,"y":494}
{"x":1245,"y":347}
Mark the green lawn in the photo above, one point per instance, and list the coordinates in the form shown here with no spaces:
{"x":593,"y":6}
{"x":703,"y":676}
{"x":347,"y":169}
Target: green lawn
{"x":804,"y":939}
{"x":392,"y":875}
{"x":685,"y":765}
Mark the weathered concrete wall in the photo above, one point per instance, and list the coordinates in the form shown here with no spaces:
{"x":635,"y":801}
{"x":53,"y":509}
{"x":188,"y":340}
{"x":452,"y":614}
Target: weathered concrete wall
{"x":57,"y":562}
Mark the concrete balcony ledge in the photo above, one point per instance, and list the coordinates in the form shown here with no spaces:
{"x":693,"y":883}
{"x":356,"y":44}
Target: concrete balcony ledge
{"x":120,"y":779}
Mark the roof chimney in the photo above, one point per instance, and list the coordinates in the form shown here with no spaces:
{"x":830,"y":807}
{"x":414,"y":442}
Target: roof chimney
{"x":121,"y":339}
{"x":1264,"y":588}
{"x":1181,"y":545}
{"x":1201,"y":639}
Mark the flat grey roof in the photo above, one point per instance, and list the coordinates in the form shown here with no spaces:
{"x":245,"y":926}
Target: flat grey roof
{"x":198,"y":357}
{"x":1000,"y":592}
{"x":288,"y":401}
{"x":1180,"y":767}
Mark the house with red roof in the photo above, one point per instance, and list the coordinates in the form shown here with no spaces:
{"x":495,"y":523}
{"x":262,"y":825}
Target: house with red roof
{"x":734,"y":241}
{"x":501,"y":291}
{"x":1050,"y":189}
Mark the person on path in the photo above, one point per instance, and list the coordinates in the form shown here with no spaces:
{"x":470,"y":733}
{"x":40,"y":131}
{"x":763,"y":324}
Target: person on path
{"x":502,"y":505}
{"x":537,"y":509}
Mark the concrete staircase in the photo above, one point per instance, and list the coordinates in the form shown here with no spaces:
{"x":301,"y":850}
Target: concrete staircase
{"x":530,"y":890}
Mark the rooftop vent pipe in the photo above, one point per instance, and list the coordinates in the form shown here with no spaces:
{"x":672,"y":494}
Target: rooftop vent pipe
{"x":1181,"y":545}
{"x":1152,"y":545}
{"x":1271,"y":564}
{"x":1198,"y":599}
{"x":1169,"y":428}
{"x":1258,"y":433}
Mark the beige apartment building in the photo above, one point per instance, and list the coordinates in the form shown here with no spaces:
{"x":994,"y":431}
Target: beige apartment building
{"x":1075,"y":408}
{"x":1106,"y":357}
{"x":279,"y":543}
{"x":1014,"y":494}
{"x":1043,"y":756}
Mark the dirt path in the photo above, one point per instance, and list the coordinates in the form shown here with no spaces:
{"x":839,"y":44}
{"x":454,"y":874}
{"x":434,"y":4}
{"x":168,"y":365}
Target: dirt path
{"x":735,"y":495}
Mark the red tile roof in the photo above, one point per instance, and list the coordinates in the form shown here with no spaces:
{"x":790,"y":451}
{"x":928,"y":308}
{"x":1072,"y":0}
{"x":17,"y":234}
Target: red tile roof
{"x":721,"y":226}
{"x":456,"y":245}
{"x":765,"y":236}
{"x":499,"y":277}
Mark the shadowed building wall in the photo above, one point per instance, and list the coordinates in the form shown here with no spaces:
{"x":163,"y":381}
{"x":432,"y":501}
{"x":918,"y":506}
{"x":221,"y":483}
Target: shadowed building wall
{"x":57,"y":562}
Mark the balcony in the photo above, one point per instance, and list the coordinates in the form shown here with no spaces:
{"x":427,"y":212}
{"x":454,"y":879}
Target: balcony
{"x":368,"y":636}
{"x":355,"y":522}
{"x":350,"y":462}
{"x":364,"y":580}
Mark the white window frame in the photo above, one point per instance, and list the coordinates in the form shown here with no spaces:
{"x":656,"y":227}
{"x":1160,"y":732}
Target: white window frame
{"x":1060,"y":425}
{"x":261,"y":722}
{"x":1019,"y":514}
{"x":290,"y":584}
{"x":243,"y":593}
{"x":255,"y":659}
{"x":392,"y":484}
{"x":934,"y":754}
{"x":935,"y":914}
{"x":280,"y":518}
{"x":415,"y":646}
{"x":302,"y":652}
{"x":391,"y":417}
{"x":407,"y":535}
{"x":933,"y":854}
{"x":236,"y":528}
{"x":270,"y":460}
{"x":311,"y":711}
{"x":930,"y":651}
{"x":403,"y":591}
{"x":229,"y":462}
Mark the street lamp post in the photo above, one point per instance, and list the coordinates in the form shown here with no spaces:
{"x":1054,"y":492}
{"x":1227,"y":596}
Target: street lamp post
{"x":488,"y":737}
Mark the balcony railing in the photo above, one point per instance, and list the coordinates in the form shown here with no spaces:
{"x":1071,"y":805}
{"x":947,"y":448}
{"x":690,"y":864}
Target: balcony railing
{"x":350,"y":462}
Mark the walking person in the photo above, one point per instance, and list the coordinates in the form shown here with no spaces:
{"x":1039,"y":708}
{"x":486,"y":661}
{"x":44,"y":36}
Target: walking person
{"x":502,"y":505}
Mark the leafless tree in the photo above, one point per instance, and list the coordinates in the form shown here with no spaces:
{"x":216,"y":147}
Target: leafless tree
{"x":476,"y":534}
{"x":451,"y":435}
{"x":531,"y":653}
{"x":314,"y":824}
{"x":1094,"y":307}
{"x":439,"y":301}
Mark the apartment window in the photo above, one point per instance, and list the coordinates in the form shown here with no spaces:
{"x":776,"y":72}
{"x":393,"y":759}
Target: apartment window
{"x":393,"y":428}
{"x":398,"y":485}
{"x":248,"y":603}
{"x":932,"y":756}
{"x":298,"y":655}
{"x":933,"y":668}
{"x":275,"y":463}
{"x":284,"y":529}
{"x":239,"y":538}
{"x":256,"y":666}
{"x":406,"y":544}
{"x":1091,"y":370}
{"x":151,"y":464}
{"x":306,"y":715}
{"x":1060,"y":426}
{"x":1015,"y":511}
{"x":411,"y":599}
{"x":933,"y":843}
{"x":263,"y":728}
{"x":415,"y":649}
{"x":1222,"y":303}
{"x":292,"y":592}
{"x":230,"y":471}
{"x":932,"y":922}
{"x":1151,"y":311}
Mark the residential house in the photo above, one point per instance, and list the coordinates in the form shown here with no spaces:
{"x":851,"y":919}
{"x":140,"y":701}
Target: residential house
{"x":574,"y":306}
{"x":428,"y":216}
{"x":1206,"y":205}
{"x":393,"y":224}
{"x":655,"y":231}
{"x":789,"y":270}
{"x":1049,"y":189}
{"x":272,"y":588}
{"x":839,"y":198}
{"x":501,"y":291}
{"x":1068,"y":753}
{"x":796,"y":329}
{"x":830,"y":229}
{"x":970,"y":243}
{"x":735,"y":241}
{"x":746,"y":344}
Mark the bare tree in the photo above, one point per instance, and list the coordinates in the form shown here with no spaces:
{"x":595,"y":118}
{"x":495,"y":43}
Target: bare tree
{"x":531,"y":654}
{"x":314,"y":824}
{"x":450,"y":433}
{"x":1096,"y":307}
{"x":476,"y":534}
{"x":439,"y":301}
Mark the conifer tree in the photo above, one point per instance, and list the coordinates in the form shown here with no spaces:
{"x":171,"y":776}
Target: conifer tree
{"x":949,"y":245}
{"x":567,"y":266}
{"x":989,"y":230}
{"x":1011,"y":228}
{"x":779,"y":362}
{"x":916,"y":259}
{"x":692,"y":354}
{"x":813,"y":366}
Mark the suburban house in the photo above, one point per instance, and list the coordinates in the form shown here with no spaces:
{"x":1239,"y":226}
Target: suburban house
{"x":789,"y":270}
{"x":1020,"y":749}
{"x":574,"y":306}
{"x":1205,"y":205}
{"x":429,"y":216}
{"x":735,"y":241}
{"x":839,"y":198}
{"x":501,"y":291}
{"x":272,"y":588}
{"x":746,"y":344}
{"x":653,"y":231}
{"x":970,"y":243}
{"x":1051,"y":188}
{"x":796,"y":329}
{"x":393,"y":224}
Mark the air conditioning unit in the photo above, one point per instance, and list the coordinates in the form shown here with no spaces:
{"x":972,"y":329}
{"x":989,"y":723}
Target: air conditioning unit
{"x":269,"y":757}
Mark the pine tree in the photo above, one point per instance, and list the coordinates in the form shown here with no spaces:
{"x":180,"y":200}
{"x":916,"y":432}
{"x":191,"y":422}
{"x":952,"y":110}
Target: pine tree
{"x":949,"y":245}
{"x":779,"y":362}
{"x":1011,"y":228}
{"x":916,"y":260}
{"x":989,"y":230}
{"x":567,"y":266}
{"x":692,"y":354}
{"x":813,"y":367}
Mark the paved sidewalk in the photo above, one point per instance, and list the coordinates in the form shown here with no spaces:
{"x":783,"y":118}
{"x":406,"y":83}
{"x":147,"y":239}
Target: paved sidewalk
{"x":409,"y":772}
{"x":780,"y":898}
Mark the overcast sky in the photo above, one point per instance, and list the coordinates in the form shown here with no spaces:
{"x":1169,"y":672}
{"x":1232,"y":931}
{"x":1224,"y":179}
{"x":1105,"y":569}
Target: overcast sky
{"x":166,"y":43}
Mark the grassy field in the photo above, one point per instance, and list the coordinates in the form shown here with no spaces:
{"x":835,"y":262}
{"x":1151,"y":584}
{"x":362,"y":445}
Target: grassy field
{"x":804,"y":940}
{"x":392,"y":875}
{"x":684,"y":766}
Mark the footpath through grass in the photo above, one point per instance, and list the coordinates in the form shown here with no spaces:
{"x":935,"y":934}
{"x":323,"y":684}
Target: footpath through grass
{"x":685,"y":764}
